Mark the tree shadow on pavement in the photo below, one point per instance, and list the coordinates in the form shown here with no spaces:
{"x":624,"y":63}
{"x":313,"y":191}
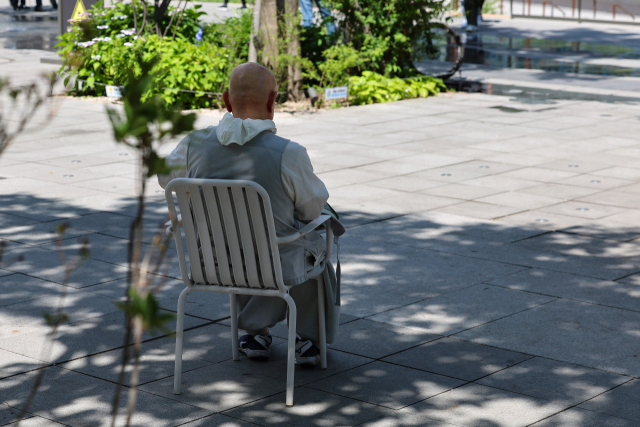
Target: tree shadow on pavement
{"x":412,"y":287}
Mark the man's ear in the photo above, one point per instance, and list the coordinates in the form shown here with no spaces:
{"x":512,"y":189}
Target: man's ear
{"x":271,"y":104}
{"x":225,"y":98}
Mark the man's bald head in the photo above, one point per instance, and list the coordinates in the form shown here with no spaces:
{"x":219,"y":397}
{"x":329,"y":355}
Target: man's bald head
{"x":251,"y":88}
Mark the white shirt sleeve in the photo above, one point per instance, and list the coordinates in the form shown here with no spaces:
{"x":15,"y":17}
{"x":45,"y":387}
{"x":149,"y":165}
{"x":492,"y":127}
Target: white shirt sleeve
{"x":307,"y":191}
{"x":177,"y":159}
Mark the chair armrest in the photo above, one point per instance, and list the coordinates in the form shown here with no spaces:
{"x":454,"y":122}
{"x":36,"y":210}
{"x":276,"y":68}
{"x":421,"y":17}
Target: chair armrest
{"x":306,"y":229}
{"x":169,"y":230}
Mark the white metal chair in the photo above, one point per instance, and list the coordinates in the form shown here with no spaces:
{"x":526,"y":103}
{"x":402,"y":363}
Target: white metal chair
{"x":228,"y":228}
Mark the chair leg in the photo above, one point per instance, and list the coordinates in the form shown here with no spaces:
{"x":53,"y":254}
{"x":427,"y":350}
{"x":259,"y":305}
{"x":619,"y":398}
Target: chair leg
{"x":177,"y":379}
{"x":291,"y":355}
{"x":234,"y":327}
{"x":322,"y":326}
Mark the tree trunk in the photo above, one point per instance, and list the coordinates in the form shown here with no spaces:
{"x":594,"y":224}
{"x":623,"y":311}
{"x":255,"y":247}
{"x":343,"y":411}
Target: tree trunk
{"x":254,"y":43}
{"x":269,"y":34}
{"x":294,"y":73}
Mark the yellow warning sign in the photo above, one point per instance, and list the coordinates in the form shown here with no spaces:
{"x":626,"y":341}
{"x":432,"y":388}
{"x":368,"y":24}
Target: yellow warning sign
{"x":78,"y":11}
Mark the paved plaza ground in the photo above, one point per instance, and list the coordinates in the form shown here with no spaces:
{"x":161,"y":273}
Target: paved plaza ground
{"x":491,"y":272}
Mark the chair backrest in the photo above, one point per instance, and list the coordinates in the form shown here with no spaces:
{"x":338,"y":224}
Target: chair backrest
{"x":229,"y":232}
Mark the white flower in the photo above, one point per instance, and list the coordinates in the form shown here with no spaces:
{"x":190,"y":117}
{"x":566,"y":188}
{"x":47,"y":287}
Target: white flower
{"x":96,"y":57}
{"x":87,"y":44}
{"x":128,"y":32}
{"x":102,"y":27}
{"x":128,"y":44}
{"x":122,"y":17}
{"x":107,"y":39}
{"x":119,"y":36}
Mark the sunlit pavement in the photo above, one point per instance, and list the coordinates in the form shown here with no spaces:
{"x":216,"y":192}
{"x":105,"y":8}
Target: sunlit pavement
{"x":490,"y":271}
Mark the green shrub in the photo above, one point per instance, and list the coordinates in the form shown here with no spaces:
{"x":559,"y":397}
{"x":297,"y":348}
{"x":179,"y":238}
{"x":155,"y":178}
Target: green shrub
{"x":101,"y":49}
{"x":373,"y":88}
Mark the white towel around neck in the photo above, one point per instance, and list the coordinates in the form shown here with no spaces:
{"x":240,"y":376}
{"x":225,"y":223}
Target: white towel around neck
{"x":231,"y":130}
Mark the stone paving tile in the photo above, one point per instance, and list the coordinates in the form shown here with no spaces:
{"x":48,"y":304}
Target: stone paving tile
{"x":9,"y":221}
{"x":406,"y":183}
{"x":543,"y":221}
{"x":576,"y":417}
{"x":13,"y":364}
{"x":311,"y":407}
{"x":520,"y":200}
{"x":474,"y":405}
{"x":218,"y":420}
{"x":45,"y":264}
{"x":403,"y":418}
{"x":582,"y":209}
{"x":276,"y":366}
{"x":613,"y":198}
{"x":40,"y":233}
{"x":15,"y":288}
{"x":207,"y":305}
{"x":560,"y":191}
{"x":387,"y":385}
{"x":77,"y":305}
{"x":596,"y":182}
{"x":580,"y":167}
{"x":217,"y":387}
{"x":87,"y":401}
{"x":621,"y":294}
{"x":553,"y":380}
{"x":36,"y":422}
{"x":619,"y":172}
{"x":605,"y":336}
{"x":540,"y":174}
{"x":201,"y":347}
{"x":413,"y":202}
{"x":374,"y":339}
{"x":479,"y":210}
{"x":50,"y":173}
{"x":370,"y":269}
{"x":570,"y":253}
{"x":462,"y":309}
{"x":461,"y":191}
{"x":619,"y":402}
{"x":457,"y":359}
{"x":79,"y":339}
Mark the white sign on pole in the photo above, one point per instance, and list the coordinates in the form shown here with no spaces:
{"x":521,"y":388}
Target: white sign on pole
{"x":340,"y":92}
{"x":114,"y":91}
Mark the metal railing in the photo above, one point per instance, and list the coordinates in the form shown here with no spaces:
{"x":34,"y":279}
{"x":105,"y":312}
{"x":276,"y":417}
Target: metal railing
{"x":610,"y":11}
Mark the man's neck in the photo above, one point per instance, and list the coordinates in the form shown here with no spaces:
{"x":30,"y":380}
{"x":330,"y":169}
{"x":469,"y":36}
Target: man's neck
{"x":252,"y":115}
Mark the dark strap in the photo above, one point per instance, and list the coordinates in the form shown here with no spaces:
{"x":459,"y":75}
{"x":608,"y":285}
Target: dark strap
{"x":337,"y":271}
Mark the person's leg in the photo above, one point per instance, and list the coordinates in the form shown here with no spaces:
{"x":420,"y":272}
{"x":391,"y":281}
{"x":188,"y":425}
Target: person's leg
{"x":244,"y":4}
{"x":306,"y":6}
{"x":480,"y":6}
{"x":256,"y":315}
{"x":54,"y":4}
{"x":224,"y":6}
{"x":471,"y":11}
{"x":38,"y":7}
{"x":325,"y":13}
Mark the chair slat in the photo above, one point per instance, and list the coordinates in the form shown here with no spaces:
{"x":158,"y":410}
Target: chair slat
{"x":203,"y":232}
{"x":190,"y":234}
{"x":245,"y":236}
{"x":261,"y":238}
{"x":218,"y":235}
{"x":232,"y":236}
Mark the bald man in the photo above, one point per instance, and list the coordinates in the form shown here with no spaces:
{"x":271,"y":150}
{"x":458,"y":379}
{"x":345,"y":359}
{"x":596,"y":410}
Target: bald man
{"x":244,"y":146}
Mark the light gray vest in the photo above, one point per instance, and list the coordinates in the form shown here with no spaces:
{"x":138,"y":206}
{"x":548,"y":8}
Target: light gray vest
{"x":259,"y":160}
